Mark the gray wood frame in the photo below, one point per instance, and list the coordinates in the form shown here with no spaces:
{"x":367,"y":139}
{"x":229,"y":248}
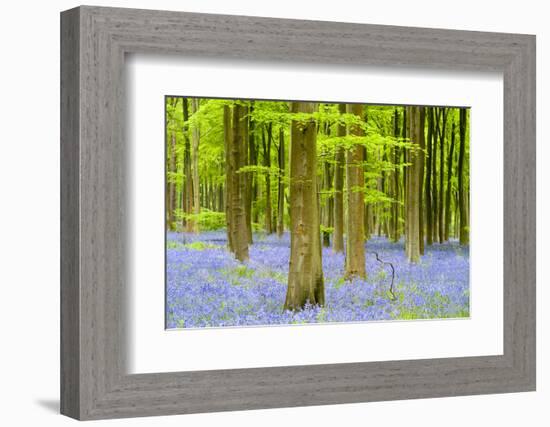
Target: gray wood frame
{"x":94,"y":383}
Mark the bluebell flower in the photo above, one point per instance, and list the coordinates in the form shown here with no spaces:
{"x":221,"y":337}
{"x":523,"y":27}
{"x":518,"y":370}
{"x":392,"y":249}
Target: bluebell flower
{"x":207,"y":287}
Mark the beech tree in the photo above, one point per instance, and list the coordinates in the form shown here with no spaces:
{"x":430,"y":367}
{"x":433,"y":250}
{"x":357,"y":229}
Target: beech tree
{"x":414,"y":187}
{"x":428,"y":181}
{"x":435,"y":193}
{"x":440,"y":202}
{"x":462,"y":187}
{"x":305,"y":272}
{"x":281,"y":184}
{"x":266,"y":145}
{"x":396,"y":191}
{"x":448,"y":213}
{"x":355,"y":174}
{"x":171,"y":185}
{"x":195,"y":139}
{"x":338,"y":238}
{"x":187,"y":178}
{"x":251,"y":161}
{"x":236,"y":139}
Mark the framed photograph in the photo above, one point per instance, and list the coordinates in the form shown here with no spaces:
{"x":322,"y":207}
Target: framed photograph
{"x":261,"y":213}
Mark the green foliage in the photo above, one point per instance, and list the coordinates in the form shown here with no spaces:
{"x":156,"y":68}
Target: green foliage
{"x":327,"y":230}
{"x":200,"y":246}
{"x":381,"y":275}
{"x":385,"y":150}
{"x":171,"y":244}
{"x":208,"y":220}
{"x":196,"y":246}
{"x":373,"y":196}
{"x":236,"y":275}
{"x":243,"y":271}
{"x":273,"y":171}
{"x":340,"y":282}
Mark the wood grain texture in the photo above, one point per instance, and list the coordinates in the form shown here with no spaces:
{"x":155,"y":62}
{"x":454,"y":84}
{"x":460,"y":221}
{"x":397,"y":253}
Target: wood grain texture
{"x":70,"y":291}
{"x":94,"y":240}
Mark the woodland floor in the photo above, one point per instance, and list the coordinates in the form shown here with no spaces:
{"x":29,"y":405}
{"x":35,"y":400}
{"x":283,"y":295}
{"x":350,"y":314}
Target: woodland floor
{"x":207,"y":287}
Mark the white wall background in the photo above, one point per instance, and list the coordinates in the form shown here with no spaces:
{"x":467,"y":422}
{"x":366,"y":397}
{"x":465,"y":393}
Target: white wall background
{"x":29,"y":214}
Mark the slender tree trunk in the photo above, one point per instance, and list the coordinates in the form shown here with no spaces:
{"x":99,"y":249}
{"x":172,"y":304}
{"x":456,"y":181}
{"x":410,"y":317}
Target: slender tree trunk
{"x":171,"y":205}
{"x":305,"y":275}
{"x":221,"y":207}
{"x":462,"y":190}
{"x":404,"y":134}
{"x":456,"y":225}
{"x":195,"y":139}
{"x":250,"y":176}
{"x":187,"y":179}
{"x":397,"y":191}
{"x":281,"y":186}
{"x":428,"y":188}
{"x":253,"y":151}
{"x":355,"y":254}
{"x":206,"y":196}
{"x":228,"y":140}
{"x":368,"y":221}
{"x":267,"y":164}
{"x":448,"y":215}
{"x":421,"y":161}
{"x":441,"y":219}
{"x":390,"y":191}
{"x":329,"y":174}
{"x":238,"y":140}
{"x":435,"y":193}
{"x":212,"y":194}
{"x":326,"y":210}
{"x":380,"y":188}
{"x":338,"y":238}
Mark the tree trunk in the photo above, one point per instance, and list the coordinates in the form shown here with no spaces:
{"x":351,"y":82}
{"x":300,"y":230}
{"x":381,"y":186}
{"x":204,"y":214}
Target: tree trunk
{"x":195,"y":139}
{"x":462,"y":190}
{"x":267,"y":164}
{"x":325,"y":213}
{"x":229,"y":172}
{"x":305,"y":275}
{"x":239,"y":237}
{"x":171,"y":205}
{"x":355,"y":254}
{"x":212,"y":194}
{"x":421,"y":160}
{"x":404,"y":134}
{"x":448,"y":215}
{"x":435,"y":204}
{"x":253,"y":152}
{"x":456,"y":225}
{"x":221,"y":207}
{"x":396,"y":190}
{"x":251,"y":160}
{"x":281,"y":186}
{"x":188,"y":181}
{"x":428,"y":182}
{"x":441,"y":219}
{"x":338,"y":237}
{"x":412,"y":247}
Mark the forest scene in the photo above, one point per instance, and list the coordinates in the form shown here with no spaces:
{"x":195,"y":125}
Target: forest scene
{"x":281,"y":213}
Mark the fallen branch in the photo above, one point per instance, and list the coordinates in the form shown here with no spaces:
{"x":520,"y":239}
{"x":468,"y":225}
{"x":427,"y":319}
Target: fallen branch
{"x":392,"y":295}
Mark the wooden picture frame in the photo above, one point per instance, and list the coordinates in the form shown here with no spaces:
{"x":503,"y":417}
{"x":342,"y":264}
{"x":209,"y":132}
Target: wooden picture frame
{"x":94,"y":382}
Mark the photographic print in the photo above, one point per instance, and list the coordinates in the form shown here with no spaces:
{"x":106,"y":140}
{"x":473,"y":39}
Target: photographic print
{"x":294,"y":212}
